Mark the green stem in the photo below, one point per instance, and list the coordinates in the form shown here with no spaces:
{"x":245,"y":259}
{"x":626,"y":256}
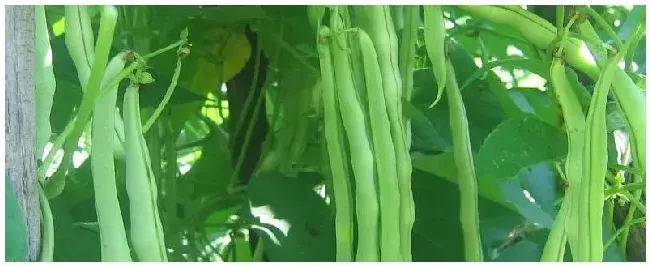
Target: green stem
{"x":624,"y":188}
{"x":164,"y":49}
{"x":620,"y":230}
{"x":168,"y":95}
{"x":559,"y":19}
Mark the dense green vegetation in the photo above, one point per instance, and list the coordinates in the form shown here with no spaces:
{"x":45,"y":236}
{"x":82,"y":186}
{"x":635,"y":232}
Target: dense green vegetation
{"x":339,"y":133}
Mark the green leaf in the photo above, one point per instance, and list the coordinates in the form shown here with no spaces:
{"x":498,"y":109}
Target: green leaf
{"x":16,"y":233}
{"x":636,"y":17}
{"x":443,"y":165}
{"x":437,"y":233}
{"x":535,"y":102}
{"x":508,"y":193}
{"x":204,"y":177}
{"x":519,"y":143}
{"x":423,"y":130}
{"x":292,"y":220}
{"x":72,"y":242}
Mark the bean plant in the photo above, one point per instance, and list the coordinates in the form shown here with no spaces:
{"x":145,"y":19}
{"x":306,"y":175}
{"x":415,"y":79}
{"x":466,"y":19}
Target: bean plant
{"x":340,"y":133}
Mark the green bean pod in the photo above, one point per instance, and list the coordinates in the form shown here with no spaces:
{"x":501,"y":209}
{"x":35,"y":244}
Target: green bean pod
{"x":353,"y":117}
{"x":387,"y":184}
{"x":556,"y":242}
{"x":87,"y":34}
{"x":146,"y":237}
{"x":469,"y":216}
{"x":630,"y":99}
{"x":75,"y":45}
{"x":434,"y":39}
{"x":382,"y":33}
{"x":341,"y":182}
{"x":112,"y":236}
{"x":407,"y":59}
{"x":592,"y":189}
{"x":565,"y":225}
{"x":45,"y":81}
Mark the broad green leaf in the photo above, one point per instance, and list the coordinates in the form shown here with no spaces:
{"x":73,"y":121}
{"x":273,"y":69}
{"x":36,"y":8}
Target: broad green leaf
{"x":636,"y":16}
{"x":212,"y":172}
{"x":518,"y":143}
{"x":535,"y":102}
{"x":15,"y":231}
{"x":437,"y":234}
{"x":72,"y":242}
{"x":508,"y":193}
{"x":443,"y":165}
{"x":292,"y":220}
{"x":426,"y":135}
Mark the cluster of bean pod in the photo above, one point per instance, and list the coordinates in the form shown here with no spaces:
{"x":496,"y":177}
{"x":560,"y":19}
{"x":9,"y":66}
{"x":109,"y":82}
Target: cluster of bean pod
{"x":366,"y":73}
{"x":99,"y":79}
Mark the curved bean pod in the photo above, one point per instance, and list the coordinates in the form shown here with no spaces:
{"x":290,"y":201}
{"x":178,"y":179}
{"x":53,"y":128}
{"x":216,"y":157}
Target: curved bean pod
{"x":75,"y":45}
{"x":566,"y":220}
{"x":407,"y":59}
{"x":146,"y":237}
{"x":434,"y":39}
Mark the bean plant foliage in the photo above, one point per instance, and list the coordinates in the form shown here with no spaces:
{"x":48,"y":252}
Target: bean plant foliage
{"x":242,"y":170}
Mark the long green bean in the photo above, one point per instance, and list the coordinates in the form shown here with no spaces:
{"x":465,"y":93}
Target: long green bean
{"x":146,"y":237}
{"x":353,"y":118}
{"x":407,"y":58}
{"x":340,"y":180}
{"x":382,"y":143}
{"x":469,"y":216}
{"x":114,"y":246}
{"x":382,"y":33}
{"x":594,"y":168}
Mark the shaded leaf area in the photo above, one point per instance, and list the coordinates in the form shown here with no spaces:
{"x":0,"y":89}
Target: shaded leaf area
{"x":293,"y":221}
{"x":437,"y":234}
